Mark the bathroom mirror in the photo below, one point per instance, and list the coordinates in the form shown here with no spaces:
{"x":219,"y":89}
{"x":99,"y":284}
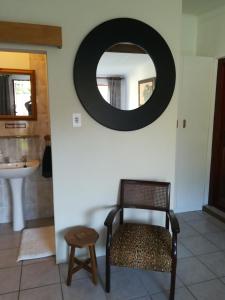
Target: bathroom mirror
{"x":126,"y":76}
{"x":17,"y":95}
{"x":154,"y":90}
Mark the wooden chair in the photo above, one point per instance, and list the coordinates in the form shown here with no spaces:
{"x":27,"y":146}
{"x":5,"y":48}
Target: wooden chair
{"x":143,"y":246}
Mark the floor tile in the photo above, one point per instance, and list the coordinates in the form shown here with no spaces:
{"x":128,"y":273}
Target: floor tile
{"x":205,"y":226}
{"x":201,"y":235}
{"x":8,"y":258}
{"x":37,"y":275}
{"x":198,"y":245}
{"x":182,"y":251}
{"x":9,"y":280}
{"x":83,"y":289}
{"x":126,"y":285}
{"x":179,"y":217}
{"x":156,"y":282}
{"x":9,"y":241}
{"x":186,"y":230}
{"x":223,"y":279}
{"x":180,"y":294}
{"x":215,"y":262}
{"x":142,"y":298}
{"x":101,"y":268}
{"x":190,"y":271}
{"x":192,"y":215}
{"x":50,"y":292}
{"x":101,"y":264}
{"x":217,"y":238}
{"x":217,"y":222}
{"x":63,"y":268}
{"x":10,"y":296}
{"x":6,"y":228}
{"x":209,"y":290}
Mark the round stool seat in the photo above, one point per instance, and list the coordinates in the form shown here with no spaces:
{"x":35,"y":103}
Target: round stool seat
{"x":81,"y":236}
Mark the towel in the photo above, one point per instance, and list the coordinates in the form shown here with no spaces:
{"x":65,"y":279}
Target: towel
{"x":47,"y":162}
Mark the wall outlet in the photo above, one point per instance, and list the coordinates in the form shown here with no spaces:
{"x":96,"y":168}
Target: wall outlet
{"x":76,"y":120}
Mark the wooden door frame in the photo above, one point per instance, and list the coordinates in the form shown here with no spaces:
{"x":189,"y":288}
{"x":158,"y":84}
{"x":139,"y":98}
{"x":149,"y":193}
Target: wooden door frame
{"x":217,"y":135}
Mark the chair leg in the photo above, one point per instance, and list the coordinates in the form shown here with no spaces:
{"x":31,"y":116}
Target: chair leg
{"x":71,"y":262}
{"x":173,"y":282}
{"x":107,"y":273}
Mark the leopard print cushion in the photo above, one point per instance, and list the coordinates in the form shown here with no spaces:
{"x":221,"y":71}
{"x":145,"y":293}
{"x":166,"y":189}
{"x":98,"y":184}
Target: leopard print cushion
{"x":142,"y":246}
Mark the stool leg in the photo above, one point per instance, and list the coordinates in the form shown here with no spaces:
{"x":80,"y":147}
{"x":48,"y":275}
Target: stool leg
{"x":70,"y":267}
{"x":93,"y":264}
{"x":95,"y":257}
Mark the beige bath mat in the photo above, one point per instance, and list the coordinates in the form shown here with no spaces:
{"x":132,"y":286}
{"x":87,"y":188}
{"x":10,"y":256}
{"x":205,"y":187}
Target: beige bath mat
{"x":37,"y":243}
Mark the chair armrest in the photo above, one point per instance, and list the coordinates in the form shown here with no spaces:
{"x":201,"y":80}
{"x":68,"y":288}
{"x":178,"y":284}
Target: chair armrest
{"x":175,"y":230}
{"x":174,"y":222}
{"x":108,"y":223}
{"x":111,"y":216}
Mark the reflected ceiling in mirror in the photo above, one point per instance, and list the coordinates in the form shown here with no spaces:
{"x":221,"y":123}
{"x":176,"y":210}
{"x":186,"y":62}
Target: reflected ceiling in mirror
{"x":126,"y":76}
{"x":17,"y":94}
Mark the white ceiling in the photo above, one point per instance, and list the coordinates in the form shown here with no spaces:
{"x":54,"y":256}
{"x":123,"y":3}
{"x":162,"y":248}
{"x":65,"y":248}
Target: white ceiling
{"x":198,"y":7}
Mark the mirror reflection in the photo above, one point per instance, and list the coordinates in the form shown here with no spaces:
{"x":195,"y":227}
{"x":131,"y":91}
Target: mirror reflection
{"x":17,"y":93}
{"x":126,"y":76}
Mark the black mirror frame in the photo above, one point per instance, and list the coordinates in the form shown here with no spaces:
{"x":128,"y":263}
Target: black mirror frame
{"x":84,"y":73}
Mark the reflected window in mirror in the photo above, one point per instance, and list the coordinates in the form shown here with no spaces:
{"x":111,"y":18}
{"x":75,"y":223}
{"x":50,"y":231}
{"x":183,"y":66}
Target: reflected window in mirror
{"x":120,"y":72}
{"x":112,"y":89}
{"x":17,"y":95}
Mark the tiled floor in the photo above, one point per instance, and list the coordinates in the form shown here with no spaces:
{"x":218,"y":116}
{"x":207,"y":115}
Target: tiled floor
{"x":200,"y":271}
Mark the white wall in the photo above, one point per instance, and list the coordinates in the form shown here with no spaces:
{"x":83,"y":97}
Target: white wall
{"x":211,"y":32}
{"x":189,"y":34}
{"x":86,"y":167}
{"x":144,"y":71}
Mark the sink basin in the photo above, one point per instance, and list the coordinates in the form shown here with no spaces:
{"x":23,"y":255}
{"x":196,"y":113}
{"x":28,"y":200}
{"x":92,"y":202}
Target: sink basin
{"x":15,"y":174}
{"x":18,"y":169}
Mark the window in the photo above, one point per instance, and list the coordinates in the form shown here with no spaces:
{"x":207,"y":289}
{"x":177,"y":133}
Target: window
{"x":22,"y":95}
{"x":103,"y":87}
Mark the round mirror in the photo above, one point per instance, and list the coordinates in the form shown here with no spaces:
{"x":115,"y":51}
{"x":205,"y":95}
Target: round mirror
{"x":126,"y":76}
{"x":155,"y":94}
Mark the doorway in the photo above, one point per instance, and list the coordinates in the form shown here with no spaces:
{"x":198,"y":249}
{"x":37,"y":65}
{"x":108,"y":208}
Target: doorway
{"x":217,"y":174}
{"x":25,"y":135}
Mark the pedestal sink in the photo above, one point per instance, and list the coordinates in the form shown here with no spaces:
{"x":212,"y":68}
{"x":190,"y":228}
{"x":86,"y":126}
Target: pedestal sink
{"x":15,"y":173}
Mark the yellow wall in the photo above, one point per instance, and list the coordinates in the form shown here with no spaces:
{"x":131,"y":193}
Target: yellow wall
{"x":37,"y":62}
{"x":12,"y":60}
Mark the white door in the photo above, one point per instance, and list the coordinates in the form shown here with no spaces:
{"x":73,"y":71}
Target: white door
{"x":195,"y":104}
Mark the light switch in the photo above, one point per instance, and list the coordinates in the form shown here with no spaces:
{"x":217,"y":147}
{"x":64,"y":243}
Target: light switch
{"x":76,"y":120}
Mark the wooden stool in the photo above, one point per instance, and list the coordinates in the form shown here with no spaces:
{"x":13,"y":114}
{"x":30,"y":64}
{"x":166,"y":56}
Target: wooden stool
{"x":80,"y":237}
